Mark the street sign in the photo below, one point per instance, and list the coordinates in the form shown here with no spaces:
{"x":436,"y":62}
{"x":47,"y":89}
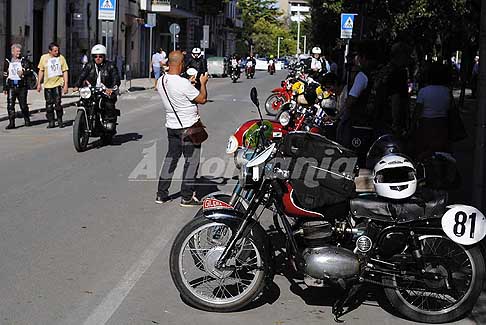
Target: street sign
{"x":106,"y":9}
{"x":174,"y":29}
{"x":347,"y":22}
{"x":203,"y":44}
{"x":151,"y":20}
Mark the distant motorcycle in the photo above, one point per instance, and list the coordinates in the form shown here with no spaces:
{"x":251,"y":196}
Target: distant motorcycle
{"x":90,"y":119}
{"x":271,"y":66}
{"x":250,"y":70}
{"x":234,"y":70}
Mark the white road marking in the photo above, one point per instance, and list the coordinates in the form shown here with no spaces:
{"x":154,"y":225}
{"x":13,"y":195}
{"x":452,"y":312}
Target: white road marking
{"x":114,"y":299}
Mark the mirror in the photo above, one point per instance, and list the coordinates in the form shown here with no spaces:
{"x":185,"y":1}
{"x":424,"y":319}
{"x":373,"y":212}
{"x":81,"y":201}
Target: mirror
{"x":254,"y":96}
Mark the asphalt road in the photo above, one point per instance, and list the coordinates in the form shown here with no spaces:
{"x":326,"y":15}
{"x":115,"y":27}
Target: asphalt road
{"x":82,"y":241}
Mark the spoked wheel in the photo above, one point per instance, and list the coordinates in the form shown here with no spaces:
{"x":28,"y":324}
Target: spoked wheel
{"x":273,"y":104}
{"x":80,"y":132}
{"x":193,"y":258}
{"x":449,"y":287}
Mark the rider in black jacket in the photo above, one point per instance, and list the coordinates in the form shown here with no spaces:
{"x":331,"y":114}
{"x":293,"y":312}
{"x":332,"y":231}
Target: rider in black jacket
{"x":15,"y":72}
{"x":197,"y":62}
{"x":102,"y":73}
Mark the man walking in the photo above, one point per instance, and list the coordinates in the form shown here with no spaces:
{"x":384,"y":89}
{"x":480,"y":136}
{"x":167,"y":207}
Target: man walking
{"x":158,"y":61}
{"x":15,"y":72}
{"x":53,"y":69}
{"x":180,"y":99}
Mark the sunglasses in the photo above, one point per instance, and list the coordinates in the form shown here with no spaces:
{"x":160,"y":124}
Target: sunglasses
{"x":98,"y":56}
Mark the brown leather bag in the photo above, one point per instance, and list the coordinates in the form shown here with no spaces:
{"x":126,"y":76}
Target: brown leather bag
{"x":196,"y":133}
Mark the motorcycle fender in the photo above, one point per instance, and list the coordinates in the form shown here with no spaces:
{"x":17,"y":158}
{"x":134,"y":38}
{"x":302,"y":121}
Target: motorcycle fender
{"x":277,"y":90}
{"x":220,"y":195}
{"x":81,"y":108}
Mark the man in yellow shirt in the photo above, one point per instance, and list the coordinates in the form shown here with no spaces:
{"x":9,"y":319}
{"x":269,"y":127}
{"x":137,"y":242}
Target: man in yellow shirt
{"x":53,"y":69}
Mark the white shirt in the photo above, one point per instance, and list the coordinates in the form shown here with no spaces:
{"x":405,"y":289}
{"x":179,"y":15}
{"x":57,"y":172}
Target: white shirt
{"x":360,"y":83}
{"x":316,"y":64}
{"x":156,"y":58}
{"x":436,"y":101}
{"x":181,"y":93}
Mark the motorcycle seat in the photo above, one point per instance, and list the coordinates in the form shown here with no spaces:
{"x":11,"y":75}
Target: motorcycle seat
{"x":427,"y":204}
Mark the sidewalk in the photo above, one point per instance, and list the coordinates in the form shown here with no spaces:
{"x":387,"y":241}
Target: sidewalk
{"x":37,"y":102}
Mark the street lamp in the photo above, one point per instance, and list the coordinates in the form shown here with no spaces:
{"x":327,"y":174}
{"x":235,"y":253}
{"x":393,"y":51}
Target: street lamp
{"x":278,"y":46}
{"x":298,"y":28}
{"x":305,"y":43}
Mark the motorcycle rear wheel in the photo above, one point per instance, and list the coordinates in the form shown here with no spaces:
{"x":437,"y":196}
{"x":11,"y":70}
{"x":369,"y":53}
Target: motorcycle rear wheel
{"x":460,"y":280}
{"x":80,"y":132}
{"x":205,"y":287}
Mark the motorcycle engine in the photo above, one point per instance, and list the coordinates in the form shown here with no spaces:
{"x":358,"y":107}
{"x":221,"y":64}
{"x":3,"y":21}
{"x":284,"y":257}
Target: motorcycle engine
{"x":330,"y":264}
{"x":316,"y":233}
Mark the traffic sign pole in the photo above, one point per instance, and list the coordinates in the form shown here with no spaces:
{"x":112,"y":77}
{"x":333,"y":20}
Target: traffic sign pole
{"x":150,"y":53}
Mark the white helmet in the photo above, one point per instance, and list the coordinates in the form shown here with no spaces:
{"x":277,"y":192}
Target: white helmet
{"x":394,"y":177}
{"x":316,"y":50}
{"x":98,"y":49}
{"x":196,"y":51}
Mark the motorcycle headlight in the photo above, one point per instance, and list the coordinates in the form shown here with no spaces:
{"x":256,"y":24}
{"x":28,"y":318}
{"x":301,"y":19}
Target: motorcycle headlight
{"x":85,"y":93}
{"x":242,"y":156}
{"x":232,"y":145}
{"x":328,"y":103}
{"x":246,"y":176}
{"x":284,"y":118}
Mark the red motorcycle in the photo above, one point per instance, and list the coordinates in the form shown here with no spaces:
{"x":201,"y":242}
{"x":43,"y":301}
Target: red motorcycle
{"x":279,"y":96}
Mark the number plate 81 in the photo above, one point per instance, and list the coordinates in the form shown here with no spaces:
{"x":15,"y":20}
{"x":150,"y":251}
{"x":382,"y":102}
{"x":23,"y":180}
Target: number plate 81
{"x":464,"y":224}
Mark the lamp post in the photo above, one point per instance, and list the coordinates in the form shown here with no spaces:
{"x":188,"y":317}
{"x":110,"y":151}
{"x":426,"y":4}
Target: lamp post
{"x":305,"y":44}
{"x":298,"y":28}
{"x":278,"y":46}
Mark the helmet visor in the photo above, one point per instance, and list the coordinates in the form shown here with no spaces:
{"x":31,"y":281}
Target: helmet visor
{"x":395,"y":175}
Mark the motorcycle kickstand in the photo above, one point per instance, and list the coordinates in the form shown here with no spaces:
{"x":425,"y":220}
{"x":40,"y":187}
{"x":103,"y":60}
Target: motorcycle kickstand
{"x":338,"y":307}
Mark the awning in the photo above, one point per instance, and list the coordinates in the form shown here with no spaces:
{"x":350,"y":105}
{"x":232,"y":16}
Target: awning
{"x":178,"y":13}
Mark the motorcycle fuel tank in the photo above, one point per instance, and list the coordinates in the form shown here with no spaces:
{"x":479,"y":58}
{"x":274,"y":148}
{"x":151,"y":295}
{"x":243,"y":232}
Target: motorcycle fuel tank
{"x":330,"y":263}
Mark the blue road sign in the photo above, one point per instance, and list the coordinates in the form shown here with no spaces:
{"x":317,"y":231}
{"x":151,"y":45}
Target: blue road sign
{"x":106,"y":9}
{"x":347,"y":22}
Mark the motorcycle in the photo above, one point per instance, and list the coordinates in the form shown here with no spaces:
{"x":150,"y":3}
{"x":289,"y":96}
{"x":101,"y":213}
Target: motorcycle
{"x":420,"y":251}
{"x":249,"y":70}
{"x":235,"y":70}
{"x":279,"y":96}
{"x":90,"y":118}
{"x":271,"y":67}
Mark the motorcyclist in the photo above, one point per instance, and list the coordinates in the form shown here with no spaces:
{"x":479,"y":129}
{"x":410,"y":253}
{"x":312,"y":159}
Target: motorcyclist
{"x":318,"y":65}
{"x":102,"y":73}
{"x":198,"y":62}
{"x":15,"y":72}
{"x":234,"y":64}
{"x":250,"y":67}
{"x":271,"y":65}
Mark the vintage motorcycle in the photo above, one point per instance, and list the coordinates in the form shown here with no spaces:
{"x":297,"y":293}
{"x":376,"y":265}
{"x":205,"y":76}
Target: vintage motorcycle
{"x":422,"y":252}
{"x":279,"y":96}
{"x":250,"y":70}
{"x":90,"y":119}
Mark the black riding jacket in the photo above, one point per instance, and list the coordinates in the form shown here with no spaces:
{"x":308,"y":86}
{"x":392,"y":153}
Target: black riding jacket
{"x":26,"y":64}
{"x":109,"y":75}
{"x":199,"y":64}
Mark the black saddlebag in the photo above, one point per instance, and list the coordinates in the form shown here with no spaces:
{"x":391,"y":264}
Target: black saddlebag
{"x":322,"y":171}
{"x":426,"y":205}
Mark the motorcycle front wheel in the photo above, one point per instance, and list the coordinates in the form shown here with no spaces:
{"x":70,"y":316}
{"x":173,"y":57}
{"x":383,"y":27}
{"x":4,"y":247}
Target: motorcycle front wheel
{"x":80,"y":132}
{"x":449,"y":295}
{"x":273,"y":104}
{"x":201,"y":284}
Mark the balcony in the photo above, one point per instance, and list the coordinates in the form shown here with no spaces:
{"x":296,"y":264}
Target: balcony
{"x":160,"y":5}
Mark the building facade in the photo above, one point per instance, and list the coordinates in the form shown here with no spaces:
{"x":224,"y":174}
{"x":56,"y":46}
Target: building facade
{"x":293,"y":10}
{"x":75,"y":26}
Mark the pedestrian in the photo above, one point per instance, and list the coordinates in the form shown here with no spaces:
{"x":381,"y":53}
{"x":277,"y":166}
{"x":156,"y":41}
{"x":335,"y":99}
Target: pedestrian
{"x":84,"y":58}
{"x":15,"y":72}
{"x":475,"y":77}
{"x":53,"y":70}
{"x":180,"y":99}
{"x":431,"y":113}
{"x":158,"y":62}
{"x":391,"y":102}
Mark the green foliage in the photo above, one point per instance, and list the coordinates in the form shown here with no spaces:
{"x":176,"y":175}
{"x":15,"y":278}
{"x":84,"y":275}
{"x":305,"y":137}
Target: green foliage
{"x":430,"y":26}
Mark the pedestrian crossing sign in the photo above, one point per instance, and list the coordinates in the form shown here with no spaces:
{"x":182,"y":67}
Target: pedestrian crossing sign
{"x":347,"y":23}
{"x":106,"y":9}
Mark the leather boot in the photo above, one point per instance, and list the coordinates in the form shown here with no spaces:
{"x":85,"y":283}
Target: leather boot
{"x":51,"y":124}
{"x":59,"y":122}
{"x":27,"y":121}
{"x":11,"y":124}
